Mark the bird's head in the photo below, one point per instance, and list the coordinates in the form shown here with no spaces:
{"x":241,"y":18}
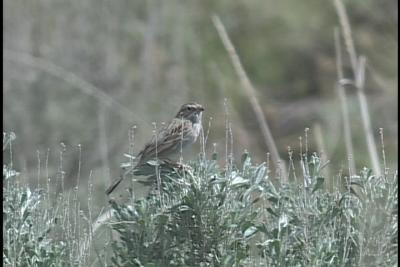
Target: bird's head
{"x":190,"y":111}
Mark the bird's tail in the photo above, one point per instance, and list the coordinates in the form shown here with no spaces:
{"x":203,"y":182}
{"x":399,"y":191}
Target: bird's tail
{"x":114,"y":185}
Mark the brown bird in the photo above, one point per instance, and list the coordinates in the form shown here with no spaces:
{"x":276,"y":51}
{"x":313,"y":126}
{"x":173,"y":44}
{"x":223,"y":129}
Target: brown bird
{"x":183,"y":130}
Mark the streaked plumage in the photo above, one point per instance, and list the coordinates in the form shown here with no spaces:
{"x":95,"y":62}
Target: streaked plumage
{"x":182,"y":131}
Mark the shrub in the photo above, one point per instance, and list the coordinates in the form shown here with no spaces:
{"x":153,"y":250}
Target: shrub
{"x":237,"y":217}
{"x":208,"y":215}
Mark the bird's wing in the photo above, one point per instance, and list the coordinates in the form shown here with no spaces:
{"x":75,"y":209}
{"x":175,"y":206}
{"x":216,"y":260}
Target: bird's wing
{"x":166,"y":140}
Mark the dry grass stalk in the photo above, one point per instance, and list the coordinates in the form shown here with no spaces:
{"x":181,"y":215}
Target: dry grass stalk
{"x":360,"y":82}
{"x":319,"y":139}
{"x":348,"y":37}
{"x":343,"y":103}
{"x":358,"y":67}
{"x":251,"y":94}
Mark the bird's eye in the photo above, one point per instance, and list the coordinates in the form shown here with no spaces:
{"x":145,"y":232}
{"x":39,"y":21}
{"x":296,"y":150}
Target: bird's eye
{"x":190,"y":108}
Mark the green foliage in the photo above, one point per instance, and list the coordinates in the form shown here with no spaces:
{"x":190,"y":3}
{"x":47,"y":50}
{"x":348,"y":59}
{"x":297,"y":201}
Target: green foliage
{"x":27,"y":225}
{"x":27,"y":237}
{"x":237,"y":217}
{"x":209,"y":215}
{"x":203,"y":217}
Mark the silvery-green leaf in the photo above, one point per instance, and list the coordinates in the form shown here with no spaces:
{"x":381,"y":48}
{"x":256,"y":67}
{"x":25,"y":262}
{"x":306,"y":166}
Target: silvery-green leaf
{"x":239,"y":181}
{"x":250,"y":231}
{"x":129,"y":156}
{"x":283,"y":220}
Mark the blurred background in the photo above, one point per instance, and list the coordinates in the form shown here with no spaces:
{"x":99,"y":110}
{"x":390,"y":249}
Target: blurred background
{"x":85,"y":72}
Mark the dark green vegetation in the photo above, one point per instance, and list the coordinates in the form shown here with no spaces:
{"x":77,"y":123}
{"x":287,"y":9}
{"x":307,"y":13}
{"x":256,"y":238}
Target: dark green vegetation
{"x":213,"y":216}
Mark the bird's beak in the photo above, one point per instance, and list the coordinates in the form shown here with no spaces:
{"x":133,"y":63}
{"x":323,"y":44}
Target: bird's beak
{"x":201,"y":109}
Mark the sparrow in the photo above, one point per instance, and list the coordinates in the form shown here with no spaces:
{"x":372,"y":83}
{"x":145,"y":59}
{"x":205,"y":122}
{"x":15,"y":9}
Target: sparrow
{"x":182,"y":131}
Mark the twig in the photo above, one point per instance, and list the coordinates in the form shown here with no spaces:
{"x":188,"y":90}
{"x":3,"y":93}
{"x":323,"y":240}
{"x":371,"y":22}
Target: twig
{"x":360,"y":82}
{"x":250,"y":93}
{"x":358,"y":67}
{"x":385,"y":169}
{"x":319,"y":138}
{"x":348,"y":39}
{"x":343,"y":102}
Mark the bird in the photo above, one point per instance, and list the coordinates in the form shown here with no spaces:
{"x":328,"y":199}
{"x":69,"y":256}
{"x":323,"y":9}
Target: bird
{"x":182,"y":131}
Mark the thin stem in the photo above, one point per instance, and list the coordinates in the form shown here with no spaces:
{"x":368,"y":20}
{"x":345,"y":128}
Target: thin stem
{"x":250,"y":93}
{"x":291,"y":164}
{"x":226,"y":112}
{"x":348,"y":38}
{"x":385,"y":169}
{"x":343,"y":102}
{"x":366,"y":119}
{"x":38,"y":170}
{"x":358,"y":67}
{"x":319,"y":138}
